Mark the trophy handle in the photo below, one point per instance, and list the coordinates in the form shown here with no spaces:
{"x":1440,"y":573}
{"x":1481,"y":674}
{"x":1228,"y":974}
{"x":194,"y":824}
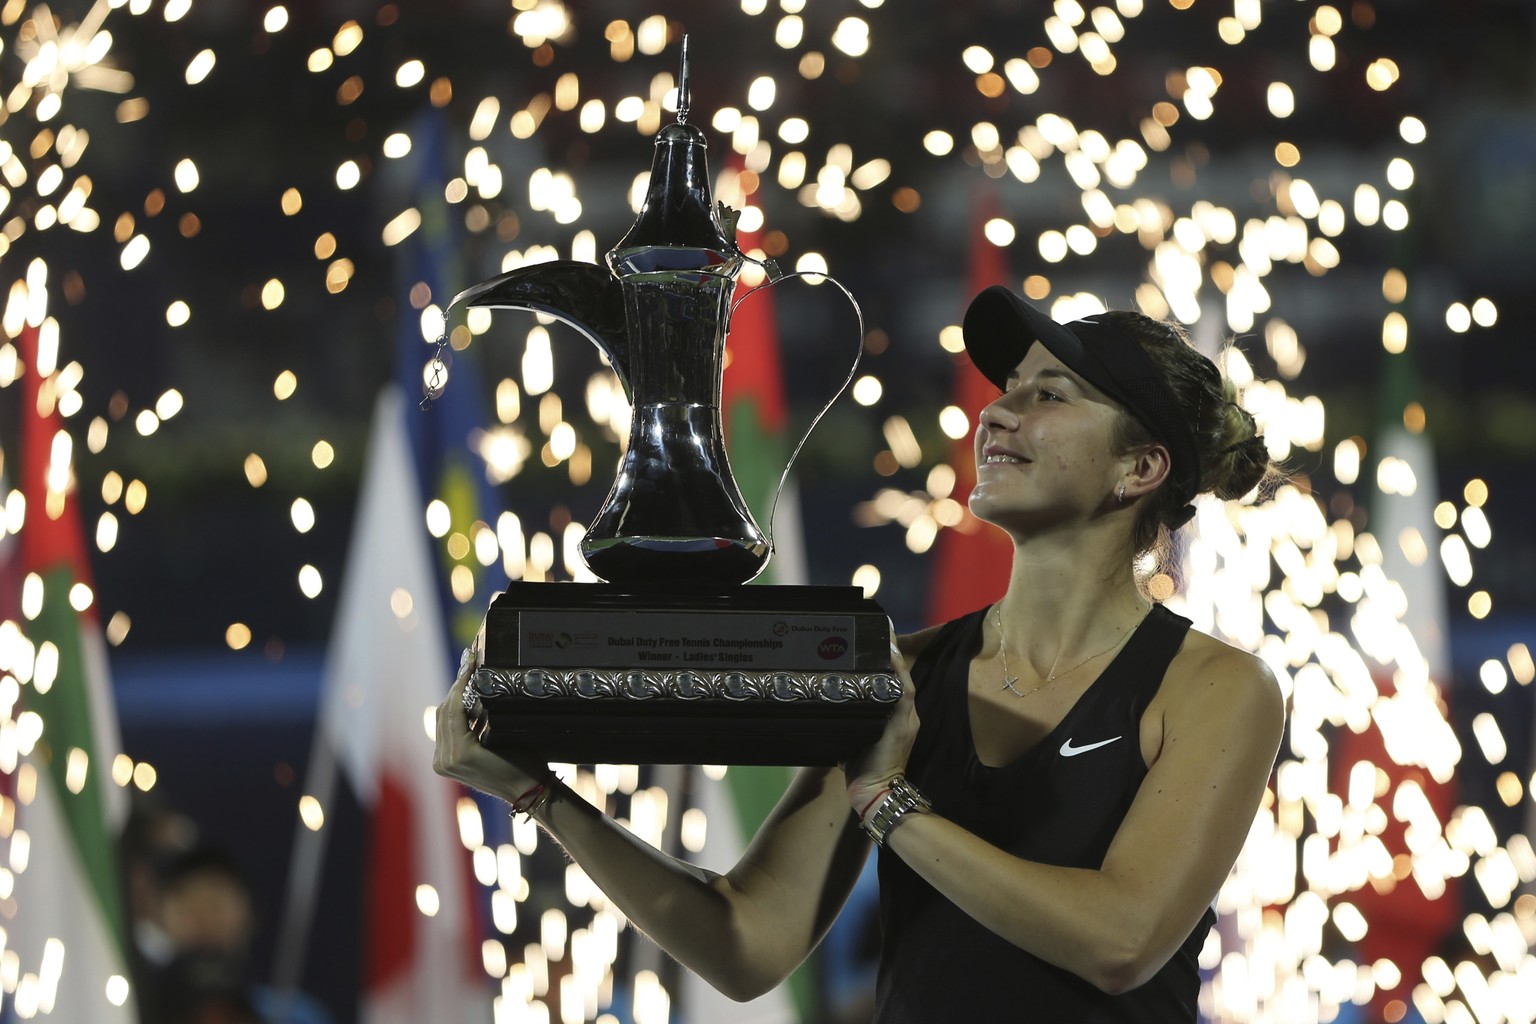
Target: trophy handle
{"x":774,"y":277}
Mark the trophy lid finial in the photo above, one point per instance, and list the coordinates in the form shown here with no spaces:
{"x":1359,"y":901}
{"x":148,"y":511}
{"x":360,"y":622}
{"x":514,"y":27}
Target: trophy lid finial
{"x":678,"y":225}
{"x":684,"y":93}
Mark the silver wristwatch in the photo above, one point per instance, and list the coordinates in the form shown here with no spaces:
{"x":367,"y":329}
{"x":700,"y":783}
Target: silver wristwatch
{"x":900,"y":799}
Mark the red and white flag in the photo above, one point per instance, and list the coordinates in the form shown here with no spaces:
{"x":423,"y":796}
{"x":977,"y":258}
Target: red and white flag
{"x":385,"y":674}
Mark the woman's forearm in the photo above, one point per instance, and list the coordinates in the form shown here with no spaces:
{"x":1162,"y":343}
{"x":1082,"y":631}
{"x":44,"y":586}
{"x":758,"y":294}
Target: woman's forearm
{"x":1080,"y":920}
{"x":685,"y":909}
{"x":742,"y":932}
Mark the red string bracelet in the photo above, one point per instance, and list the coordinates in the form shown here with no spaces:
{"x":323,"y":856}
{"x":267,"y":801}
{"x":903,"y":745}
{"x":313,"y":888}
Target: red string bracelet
{"x":872,"y":803}
{"x":533,"y":798}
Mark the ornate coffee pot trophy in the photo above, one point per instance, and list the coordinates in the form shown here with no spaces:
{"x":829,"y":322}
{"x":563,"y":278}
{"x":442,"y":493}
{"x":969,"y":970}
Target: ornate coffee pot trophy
{"x":672,"y":660}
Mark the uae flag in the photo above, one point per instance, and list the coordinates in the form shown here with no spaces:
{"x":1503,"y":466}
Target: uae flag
{"x":385,"y":674}
{"x":971,"y":559}
{"x":1410,"y":918}
{"x":67,"y":949}
{"x":756,"y":421}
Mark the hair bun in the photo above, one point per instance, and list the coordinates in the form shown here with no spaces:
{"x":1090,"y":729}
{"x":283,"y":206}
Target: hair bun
{"x":1253,"y":447}
{"x":1233,"y":459}
{"x":1240,"y":467}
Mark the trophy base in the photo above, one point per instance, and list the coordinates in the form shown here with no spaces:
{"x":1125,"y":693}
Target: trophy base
{"x":600,"y":673}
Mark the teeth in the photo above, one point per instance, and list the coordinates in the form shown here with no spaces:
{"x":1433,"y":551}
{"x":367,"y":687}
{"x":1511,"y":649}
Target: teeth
{"x":1002,"y":458}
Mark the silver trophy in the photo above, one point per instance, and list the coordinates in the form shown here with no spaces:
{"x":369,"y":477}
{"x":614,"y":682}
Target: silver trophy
{"x":671,"y":660}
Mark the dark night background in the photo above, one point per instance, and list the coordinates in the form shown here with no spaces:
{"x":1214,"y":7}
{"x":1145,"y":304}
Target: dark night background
{"x":229,"y":731}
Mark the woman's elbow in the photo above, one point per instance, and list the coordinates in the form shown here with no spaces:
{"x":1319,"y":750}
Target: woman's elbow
{"x":1117,"y":979}
{"x":743,"y":986}
{"x":741,"y":969}
{"x":1121,"y":967}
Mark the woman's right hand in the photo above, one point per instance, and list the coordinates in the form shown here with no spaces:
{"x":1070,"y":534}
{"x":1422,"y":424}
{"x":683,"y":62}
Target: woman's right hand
{"x":459,"y":755}
{"x":868,"y":773}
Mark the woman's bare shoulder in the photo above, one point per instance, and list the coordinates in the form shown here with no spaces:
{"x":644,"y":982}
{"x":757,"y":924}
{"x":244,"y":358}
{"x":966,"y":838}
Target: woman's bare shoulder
{"x":1208,"y":668}
{"x":1201,"y":650}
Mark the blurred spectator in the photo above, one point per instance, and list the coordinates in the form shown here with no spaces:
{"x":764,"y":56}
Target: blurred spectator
{"x":153,"y":836}
{"x":206,"y":987}
{"x":209,"y":918}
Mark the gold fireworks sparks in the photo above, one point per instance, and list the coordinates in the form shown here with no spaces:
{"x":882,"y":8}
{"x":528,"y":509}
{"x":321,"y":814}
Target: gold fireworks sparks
{"x":1295,"y":580}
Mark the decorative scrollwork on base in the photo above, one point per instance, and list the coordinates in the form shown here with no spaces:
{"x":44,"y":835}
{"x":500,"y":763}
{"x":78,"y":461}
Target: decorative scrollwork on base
{"x":633,"y":684}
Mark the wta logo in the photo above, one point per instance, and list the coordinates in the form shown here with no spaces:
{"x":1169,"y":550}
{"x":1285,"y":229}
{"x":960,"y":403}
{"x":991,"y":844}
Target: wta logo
{"x":832,"y":648}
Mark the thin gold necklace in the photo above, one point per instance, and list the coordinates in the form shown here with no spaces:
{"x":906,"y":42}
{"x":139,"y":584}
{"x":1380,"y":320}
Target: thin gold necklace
{"x":1009,"y":679}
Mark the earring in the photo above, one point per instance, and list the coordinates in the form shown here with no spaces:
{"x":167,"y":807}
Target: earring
{"x":1122,"y":494}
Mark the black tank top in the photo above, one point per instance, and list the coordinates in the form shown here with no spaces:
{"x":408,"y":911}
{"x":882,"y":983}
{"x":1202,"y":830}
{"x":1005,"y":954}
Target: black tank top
{"x":1060,"y":803}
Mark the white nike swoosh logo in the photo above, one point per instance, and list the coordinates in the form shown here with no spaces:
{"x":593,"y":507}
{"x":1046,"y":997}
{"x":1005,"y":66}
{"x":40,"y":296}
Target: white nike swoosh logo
{"x":1068,"y":750}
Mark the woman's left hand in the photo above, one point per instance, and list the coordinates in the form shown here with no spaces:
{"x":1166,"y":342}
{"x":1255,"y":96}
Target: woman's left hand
{"x":458,"y":754}
{"x":870,"y":771}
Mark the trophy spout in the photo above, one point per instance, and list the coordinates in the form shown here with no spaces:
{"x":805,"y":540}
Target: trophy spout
{"x":583,"y":295}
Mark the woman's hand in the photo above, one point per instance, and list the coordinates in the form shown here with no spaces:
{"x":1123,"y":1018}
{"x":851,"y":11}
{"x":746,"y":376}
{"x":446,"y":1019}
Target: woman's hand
{"x":459,"y":754}
{"x":870,"y":771}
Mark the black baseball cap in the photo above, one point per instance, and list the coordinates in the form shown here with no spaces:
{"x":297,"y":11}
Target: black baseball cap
{"x":1000,"y":327}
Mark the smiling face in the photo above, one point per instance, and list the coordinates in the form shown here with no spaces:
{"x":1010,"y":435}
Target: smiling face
{"x":1043,"y":448}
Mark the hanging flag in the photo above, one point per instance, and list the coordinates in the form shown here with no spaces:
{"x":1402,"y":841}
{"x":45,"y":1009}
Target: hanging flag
{"x":756,"y":421}
{"x":1408,"y":923}
{"x":971,"y":559}
{"x":384,"y":676}
{"x":69,"y":934}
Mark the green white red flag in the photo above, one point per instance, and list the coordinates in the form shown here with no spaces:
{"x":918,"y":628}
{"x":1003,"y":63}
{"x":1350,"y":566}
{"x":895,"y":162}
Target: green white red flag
{"x":971,"y":559}
{"x":756,"y":421}
{"x":1410,"y":919}
{"x":58,"y":744}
